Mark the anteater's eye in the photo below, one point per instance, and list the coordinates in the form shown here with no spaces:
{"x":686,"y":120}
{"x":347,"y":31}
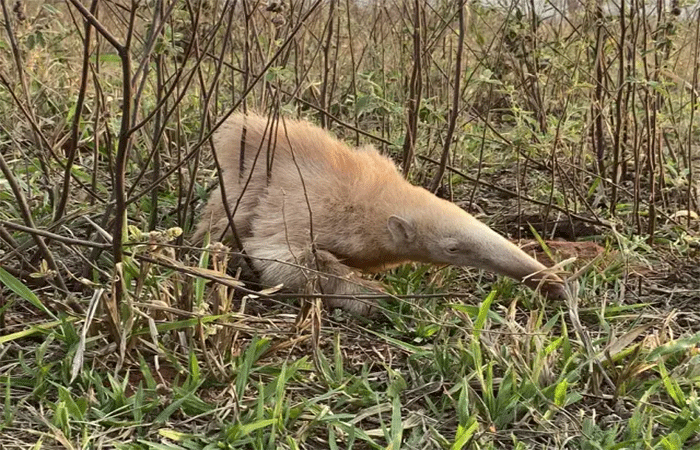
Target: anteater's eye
{"x":453,"y":249}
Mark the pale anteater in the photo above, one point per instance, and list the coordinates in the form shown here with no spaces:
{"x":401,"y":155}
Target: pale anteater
{"x":297,"y":185}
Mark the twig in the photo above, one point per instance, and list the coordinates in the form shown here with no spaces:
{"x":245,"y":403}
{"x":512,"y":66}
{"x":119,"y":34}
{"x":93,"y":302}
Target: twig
{"x":414,"y":96}
{"x":74,"y":135}
{"x":17,"y":55}
{"x":27,"y":217}
{"x":52,"y":236}
{"x":454,"y":111}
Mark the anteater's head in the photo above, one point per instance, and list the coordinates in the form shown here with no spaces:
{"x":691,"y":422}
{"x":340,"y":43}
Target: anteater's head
{"x":440,"y":232}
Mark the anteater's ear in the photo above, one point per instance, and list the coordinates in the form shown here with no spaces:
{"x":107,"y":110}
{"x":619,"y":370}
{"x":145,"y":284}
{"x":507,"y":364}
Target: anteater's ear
{"x":401,"y":230}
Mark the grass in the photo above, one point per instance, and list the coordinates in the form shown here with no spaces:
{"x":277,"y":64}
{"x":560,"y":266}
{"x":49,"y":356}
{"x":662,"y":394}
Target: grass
{"x":164,"y":347}
{"x":442,"y":375}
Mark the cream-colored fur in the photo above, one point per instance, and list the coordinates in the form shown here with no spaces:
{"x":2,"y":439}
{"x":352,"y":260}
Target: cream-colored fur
{"x":360,"y":212}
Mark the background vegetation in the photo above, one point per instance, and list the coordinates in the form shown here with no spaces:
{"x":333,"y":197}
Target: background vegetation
{"x":574,"y":124}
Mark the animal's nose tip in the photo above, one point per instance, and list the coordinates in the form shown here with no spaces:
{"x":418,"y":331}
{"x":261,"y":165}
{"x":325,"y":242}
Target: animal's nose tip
{"x":555,"y":290}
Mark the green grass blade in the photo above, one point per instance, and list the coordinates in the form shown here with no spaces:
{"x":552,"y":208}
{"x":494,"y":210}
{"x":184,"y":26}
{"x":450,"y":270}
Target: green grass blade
{"x":23,"y":291}
{"x":483,"y":313}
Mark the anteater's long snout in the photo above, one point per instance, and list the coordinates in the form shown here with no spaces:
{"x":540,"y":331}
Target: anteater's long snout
{"x":506,"y":258}
{"x":534,"y":274}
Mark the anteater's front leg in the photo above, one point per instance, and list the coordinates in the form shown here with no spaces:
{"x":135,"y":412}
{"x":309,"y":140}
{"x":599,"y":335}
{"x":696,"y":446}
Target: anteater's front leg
{"x":302,"y":269}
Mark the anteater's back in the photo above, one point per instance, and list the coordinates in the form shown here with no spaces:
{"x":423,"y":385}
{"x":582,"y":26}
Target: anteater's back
{"x":280,"y":154}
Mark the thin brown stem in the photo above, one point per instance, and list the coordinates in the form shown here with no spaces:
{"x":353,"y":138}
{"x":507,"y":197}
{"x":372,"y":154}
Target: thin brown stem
{"x":455,"y":103}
